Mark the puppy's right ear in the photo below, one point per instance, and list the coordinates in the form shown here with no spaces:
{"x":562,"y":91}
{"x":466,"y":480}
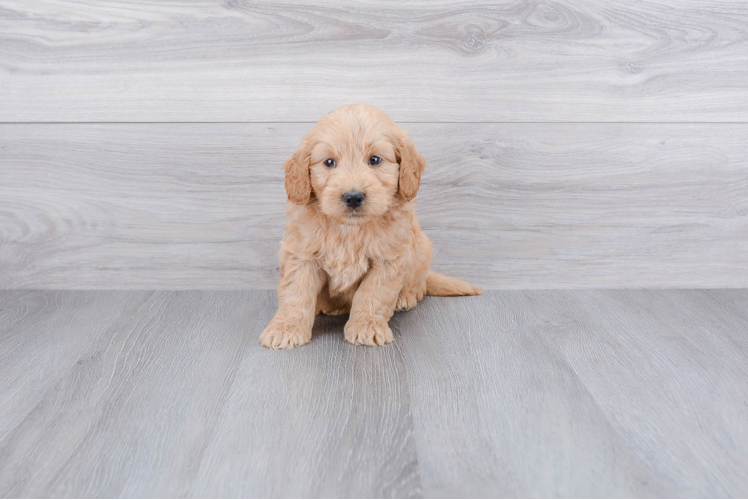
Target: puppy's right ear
{"x":298,"y":182}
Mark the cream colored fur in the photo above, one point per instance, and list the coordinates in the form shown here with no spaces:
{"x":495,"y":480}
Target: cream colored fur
{"x":370,"y":261}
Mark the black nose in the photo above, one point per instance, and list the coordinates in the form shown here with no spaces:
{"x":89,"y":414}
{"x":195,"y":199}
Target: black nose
{"x":353,"y":199}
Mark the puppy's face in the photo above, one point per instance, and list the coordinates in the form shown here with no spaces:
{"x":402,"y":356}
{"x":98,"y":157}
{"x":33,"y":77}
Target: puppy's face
{"x":357,"y":163}
{"x":353,"y":167}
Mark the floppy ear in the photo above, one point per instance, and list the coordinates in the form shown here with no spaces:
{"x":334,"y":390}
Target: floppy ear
{"x":298,"y":182}
{"x":412,"y":163}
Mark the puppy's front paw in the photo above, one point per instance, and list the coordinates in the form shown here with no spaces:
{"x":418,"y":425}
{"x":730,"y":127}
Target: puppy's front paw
{"x":280,"y":335}
{"x":368,"y":332}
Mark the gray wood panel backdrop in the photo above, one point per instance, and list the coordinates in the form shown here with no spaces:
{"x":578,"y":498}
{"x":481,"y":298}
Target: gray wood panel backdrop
{"x":570,"y":144}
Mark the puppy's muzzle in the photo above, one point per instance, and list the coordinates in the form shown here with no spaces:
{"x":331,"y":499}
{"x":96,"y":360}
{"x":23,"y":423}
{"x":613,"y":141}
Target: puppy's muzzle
{"x":354,"y":199}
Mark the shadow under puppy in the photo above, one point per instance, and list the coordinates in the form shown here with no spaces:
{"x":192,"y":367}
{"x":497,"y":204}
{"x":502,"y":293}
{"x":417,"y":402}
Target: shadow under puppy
{"x":353,"y":243}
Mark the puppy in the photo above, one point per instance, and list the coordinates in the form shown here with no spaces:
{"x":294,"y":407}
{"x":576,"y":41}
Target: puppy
{"x":352,"y":243}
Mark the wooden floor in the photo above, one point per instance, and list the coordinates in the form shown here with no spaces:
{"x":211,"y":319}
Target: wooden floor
{"x":571,"y":144}
{"x":517,"y":393}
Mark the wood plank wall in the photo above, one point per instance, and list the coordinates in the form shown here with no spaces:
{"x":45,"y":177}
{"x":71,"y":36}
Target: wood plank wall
{"x":570,"y":144}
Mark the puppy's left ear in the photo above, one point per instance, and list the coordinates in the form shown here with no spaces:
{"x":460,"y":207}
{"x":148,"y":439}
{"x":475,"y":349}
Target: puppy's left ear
{"x":412,"y":164}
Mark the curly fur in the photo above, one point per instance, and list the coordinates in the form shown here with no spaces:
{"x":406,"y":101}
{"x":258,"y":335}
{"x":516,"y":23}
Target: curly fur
{"x":368,"y":262}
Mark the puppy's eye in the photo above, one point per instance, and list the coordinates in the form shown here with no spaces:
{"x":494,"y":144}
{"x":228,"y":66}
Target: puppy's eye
{"x":330,"y":163}
{"x":375,"y":160}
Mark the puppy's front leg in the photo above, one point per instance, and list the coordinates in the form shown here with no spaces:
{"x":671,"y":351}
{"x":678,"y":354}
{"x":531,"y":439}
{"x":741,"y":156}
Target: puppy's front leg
{"x":373,"y":306}
{"x":299,"y":285}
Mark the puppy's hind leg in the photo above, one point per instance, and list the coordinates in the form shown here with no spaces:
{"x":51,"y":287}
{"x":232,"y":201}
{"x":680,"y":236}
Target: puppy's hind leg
{"x":414,"y":285}
{"x":410,"y":295}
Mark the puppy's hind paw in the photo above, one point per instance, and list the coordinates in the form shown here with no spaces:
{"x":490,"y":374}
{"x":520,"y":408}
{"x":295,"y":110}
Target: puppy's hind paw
{"x":279,"y":335}
{"x":406,"y":302}
{"x":368,"y":332}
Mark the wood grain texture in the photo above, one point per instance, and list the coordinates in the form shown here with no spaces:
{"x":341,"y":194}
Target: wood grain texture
{"x":175,"y":397}
{"x":200,"y":206}
{"x":580,"y":393}
{"x":236,"y":60}
{"x":44,"y":335}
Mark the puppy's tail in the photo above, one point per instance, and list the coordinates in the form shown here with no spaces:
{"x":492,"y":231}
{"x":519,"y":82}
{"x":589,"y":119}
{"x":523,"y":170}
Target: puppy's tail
{"x":444,"y":286}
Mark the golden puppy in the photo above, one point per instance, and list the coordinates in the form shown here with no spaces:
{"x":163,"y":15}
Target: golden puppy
{"x":352,"y":242}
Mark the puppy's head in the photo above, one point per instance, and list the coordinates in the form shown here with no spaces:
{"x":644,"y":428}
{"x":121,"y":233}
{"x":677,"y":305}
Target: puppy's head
{"x":357,"y":163}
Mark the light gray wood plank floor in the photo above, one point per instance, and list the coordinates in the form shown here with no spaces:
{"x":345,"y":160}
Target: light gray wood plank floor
{"x":201,"y":206}
{"x":447,"y":60}
{"x":516,"y":393}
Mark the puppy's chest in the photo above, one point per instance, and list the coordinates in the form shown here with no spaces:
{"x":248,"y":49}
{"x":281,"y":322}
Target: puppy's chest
{"x":345,"y":265}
